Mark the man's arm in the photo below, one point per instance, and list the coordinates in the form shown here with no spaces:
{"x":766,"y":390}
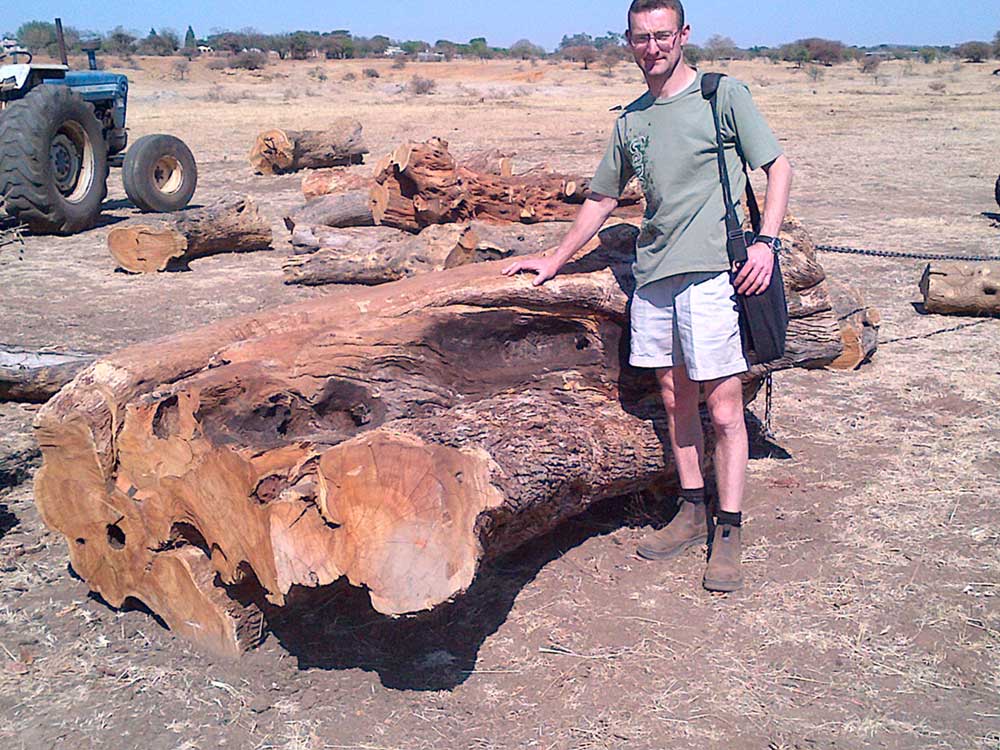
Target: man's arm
{"x":755,"y":276}
{"x":589,"y":219}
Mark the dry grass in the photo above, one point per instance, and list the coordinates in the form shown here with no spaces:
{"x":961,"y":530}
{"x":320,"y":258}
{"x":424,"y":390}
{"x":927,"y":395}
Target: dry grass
{"x":870,"y":617}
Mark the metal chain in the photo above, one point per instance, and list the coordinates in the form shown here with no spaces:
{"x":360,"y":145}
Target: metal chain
{"x":768,"y":392}
{"x":892,"y":254}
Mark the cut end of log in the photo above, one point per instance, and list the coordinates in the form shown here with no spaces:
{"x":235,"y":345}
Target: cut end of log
{"x":146,"y":248}
{"x":273,"y":152}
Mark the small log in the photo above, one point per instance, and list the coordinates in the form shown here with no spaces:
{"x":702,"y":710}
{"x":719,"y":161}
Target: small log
{"x":350,"y":209}
{"x":961,"y":288}
{"x":375,"y":256}
{"x":278,"y":151}
{"x":859,"y":325}
{"x":490,"y":161}
{"x":317,"y":182}
{"x":230,"y":225}
{"x":35,"y":376}
{"x":420,"y":184}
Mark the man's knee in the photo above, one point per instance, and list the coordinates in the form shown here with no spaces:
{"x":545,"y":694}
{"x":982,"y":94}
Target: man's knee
{"x":678,"y":394}
{"x":725,"y":408}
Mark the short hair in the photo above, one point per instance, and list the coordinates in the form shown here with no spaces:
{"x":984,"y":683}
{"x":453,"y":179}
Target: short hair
{"x":640,"y":6}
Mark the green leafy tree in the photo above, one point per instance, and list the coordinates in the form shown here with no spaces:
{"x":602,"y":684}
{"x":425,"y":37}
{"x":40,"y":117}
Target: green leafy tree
{"x":928,"y":54}
{"x":190,"y":40}
{"x":36,"y":36}
{"x":477,"y":46}
{"x":974,"y":52}
{"x":693,"y":54}
{"x":301,"y":44}
{"x":576,"y":40}
{"x":795,"y":53}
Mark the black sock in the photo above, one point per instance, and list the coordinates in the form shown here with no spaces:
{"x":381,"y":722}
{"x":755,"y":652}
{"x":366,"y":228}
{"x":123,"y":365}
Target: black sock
{"x":727,"y":518}
{"x":696,"y":496}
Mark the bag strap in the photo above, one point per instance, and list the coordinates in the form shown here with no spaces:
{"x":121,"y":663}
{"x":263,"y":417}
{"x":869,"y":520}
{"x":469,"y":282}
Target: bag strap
{"x":735,"y":246}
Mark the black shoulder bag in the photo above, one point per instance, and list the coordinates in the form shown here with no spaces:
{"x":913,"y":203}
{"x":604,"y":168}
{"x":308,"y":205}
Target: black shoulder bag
{"x":764,"y":316}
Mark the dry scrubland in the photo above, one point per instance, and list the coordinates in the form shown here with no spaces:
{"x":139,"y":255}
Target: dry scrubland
{"x":870,"y":617}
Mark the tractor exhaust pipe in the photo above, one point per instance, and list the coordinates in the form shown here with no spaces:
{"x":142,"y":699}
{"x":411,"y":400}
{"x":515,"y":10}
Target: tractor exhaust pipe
{"x":62,"y":43}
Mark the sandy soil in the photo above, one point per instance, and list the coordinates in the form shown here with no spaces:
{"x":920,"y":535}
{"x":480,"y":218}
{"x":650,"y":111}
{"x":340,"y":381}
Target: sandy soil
{"x":872,"y":555}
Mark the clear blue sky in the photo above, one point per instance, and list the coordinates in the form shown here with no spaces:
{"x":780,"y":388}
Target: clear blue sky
{"x":861,"y":22}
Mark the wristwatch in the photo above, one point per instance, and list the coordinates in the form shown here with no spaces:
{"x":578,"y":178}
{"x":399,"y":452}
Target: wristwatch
{"x":772,"y":242}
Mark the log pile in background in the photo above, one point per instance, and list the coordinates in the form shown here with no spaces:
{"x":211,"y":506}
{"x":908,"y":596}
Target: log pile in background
{"x":395,"y":435}
{"x":278,"y":151}
{"x":961,"y":288}
{"x":420,"y":184}
{"x":229,"y":225}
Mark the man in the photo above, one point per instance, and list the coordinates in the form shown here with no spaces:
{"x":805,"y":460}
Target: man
{"x":683,"y":316}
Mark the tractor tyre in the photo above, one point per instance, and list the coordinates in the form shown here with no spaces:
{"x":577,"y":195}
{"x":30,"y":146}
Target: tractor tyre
{"x":996,"y":191}
{"x":159,"y":173}
{"x":53,"y":161}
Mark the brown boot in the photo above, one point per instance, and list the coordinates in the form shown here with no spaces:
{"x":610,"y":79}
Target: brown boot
{"x":723,"y":570}
{"x":688,"y":528}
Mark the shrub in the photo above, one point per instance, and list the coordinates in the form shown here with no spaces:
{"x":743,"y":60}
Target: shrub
{"x":973,"y":51}
{"x":318,"y":73}
{"x":349,"y":76}
{"x":399,"y":63}
{"x":870,"y":64}
{"x":815,"y":73}
{"x":180,"y":69}
{"x":936,"y":86}
{"x":420,"y":85}
{"x":248,"y":60}
{"x":217,"y":63}
{"x":928,"y":54}
{"x":370,"y":73}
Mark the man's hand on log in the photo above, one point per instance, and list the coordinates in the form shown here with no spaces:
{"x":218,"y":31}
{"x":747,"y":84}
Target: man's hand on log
{"x":545,"y":267}
{"x":755,"y":275}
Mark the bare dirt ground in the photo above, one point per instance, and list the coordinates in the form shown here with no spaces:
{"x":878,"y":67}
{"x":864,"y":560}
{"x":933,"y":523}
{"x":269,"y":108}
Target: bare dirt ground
{"x":872,"y":555}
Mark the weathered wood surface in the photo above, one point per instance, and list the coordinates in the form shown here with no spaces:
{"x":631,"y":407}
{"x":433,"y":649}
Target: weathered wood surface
{"x":349,"y":209}
{"x":317,"y":182}
{"x":859,"y":325}
{"x":419,"y":184}
{"x":395,"y":435}
{"x":278,"y":151}
{"x":374,"y":256}
{"x":229,"y":225}
{"x":35,"y":376}
{"x":961,"y":288}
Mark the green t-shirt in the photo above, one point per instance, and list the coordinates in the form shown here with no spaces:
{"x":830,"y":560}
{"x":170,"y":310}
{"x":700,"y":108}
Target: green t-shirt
{"x":669,"y":145}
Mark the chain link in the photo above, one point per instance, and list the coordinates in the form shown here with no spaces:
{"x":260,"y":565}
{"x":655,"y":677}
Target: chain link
{"x":892,"y":254}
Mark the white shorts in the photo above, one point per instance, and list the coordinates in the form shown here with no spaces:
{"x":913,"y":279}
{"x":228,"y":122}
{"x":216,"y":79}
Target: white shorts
{"x":688,"y":319}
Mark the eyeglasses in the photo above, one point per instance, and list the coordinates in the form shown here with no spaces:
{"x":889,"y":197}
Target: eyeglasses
{"x":663,"y":39}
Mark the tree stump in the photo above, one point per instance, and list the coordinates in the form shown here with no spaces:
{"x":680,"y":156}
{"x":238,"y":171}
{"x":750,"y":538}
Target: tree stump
{"x":278,"y":151}
{"x":230,"y":225}
{"x":961,"y":288}
{"x":395,"y":435}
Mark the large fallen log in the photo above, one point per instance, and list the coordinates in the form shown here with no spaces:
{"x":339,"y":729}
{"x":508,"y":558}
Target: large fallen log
{"x":230,"y":225}
{"x":395,"y":435}
{"x":420,"y":184}
{"x":317,"y":182}
{"x":350,"y":209}
{"x":34,"y":376}
{"x":277,"y":151}
{"x":961,"y":288}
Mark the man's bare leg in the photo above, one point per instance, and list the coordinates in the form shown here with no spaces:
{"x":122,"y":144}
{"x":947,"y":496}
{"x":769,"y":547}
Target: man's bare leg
{"x":724,"y":399}
{"x":687,"y":442}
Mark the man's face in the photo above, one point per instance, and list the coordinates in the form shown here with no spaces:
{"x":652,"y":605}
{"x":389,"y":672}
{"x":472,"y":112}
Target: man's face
{"x":656,"y":58}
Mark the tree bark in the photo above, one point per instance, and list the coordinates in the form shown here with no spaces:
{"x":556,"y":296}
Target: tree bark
{"x":350,"y":209}
{"x":278,"y":151}
{"x":317,"y":182}
{"x":421,"y":184}
{"x":859,"y":325}
{"x":35,"y":376}
{"x":230,"y":225}
{"x":961,"y":288}
{"x":397,"y":435}
{"x":375,"y":256}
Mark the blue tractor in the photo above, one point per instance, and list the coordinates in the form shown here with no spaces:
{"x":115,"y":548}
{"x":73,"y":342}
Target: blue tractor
{"x":60,"y":132}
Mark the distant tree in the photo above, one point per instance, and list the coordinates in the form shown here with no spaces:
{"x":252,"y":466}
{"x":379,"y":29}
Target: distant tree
{"x":720,"y":47}
{"x":413,"y":47}
{"x":338,"y":46}
{"x":576,"y":40}
{"x":974,"y":52}
{"x":180,"y":69}
{"x":523,"y":49}
{"x":613,"y":55}
{"x":693,"y":54}
{"x":478,"y":47}
{"x":584,"y":53}
{"x":280,"y":43}
{"x":163,"y":43}
{"x":870,"y":64}
{"x":119,"y":42}
{"x":825,"y":51}
{"x":447,"y":48}
{"x":795,"y":53}
{"x":610,"y":39}
{"x":190,"y":40}
{"x":928,"y":54}
{"x":996,"y":45}
{"x":301,"y":44}
{"x":36,"y":36}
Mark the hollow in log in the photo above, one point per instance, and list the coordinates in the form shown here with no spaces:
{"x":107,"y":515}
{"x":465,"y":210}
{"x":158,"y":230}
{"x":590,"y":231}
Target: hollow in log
{"x":230,"y":225}
{"x":961,"y":288}
{"x":277,"y":151}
